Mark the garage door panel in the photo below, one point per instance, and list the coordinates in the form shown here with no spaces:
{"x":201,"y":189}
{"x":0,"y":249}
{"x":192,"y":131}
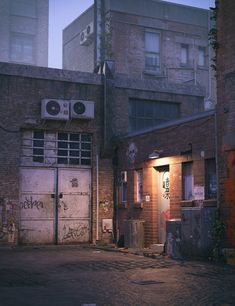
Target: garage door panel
{"x":73,"y":205}
{"x":73,"y":231}
{"x":36,"y":206}
{"x":36,"y":231}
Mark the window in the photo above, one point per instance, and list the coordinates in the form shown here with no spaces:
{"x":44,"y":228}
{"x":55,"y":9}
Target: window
{"x":139,"y":189}
{"x":187,"y":181}
{"x":210,"y":179}
{"x":145,"y":114}
{"x":124,"y":192}
{"x":184,"y":55}
{"x":74,"y":149}
{"x":22,"y":48}
{"x":38,"y":146}
{"x":51,"y":148}
{"x":152,"y":51}
{"x":201,"y":56}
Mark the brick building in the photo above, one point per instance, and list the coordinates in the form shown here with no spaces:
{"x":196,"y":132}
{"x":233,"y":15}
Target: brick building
{"x":54,"y":159}
{"x":50,"y":166}
{"x":225,"y":117}
{"x":149,"y":39}
{"x":24,"y":31}
{"x":163,"y":170}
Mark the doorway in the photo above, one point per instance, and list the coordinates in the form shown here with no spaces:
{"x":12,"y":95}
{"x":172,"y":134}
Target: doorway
{"x":163,"y":191}
{"x":55,"y":205}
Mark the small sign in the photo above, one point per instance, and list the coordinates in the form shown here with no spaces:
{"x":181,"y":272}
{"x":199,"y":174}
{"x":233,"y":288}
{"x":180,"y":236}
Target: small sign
{"x":147,"y":198}
{"x":199,"y":193}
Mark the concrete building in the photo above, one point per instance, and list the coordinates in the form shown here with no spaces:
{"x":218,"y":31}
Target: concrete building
{"x":24,"y":31}
{"x":225,"y":117}
{"x":146,"y":39}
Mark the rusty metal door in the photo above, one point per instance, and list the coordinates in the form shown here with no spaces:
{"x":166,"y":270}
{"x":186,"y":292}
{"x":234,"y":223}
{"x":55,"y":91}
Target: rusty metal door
{"x":54,"y":205}
{"x":163,"y":201}
{"x":37,"y":205}
{"x":74,"y":205}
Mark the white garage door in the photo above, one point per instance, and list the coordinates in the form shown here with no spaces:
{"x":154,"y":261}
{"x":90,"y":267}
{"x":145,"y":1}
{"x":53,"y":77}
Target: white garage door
{"x":54,"y":205}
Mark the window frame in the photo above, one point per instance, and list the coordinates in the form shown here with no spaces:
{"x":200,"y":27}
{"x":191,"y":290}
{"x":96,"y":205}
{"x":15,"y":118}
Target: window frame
{"x":156,"y":53}
{"x":186,"y":48}
{"x":210,"y":179}
{"x":202,"y":49}
{"x":18,"y":40}
{"x":139,"y":185}
{"x":187,"y":181}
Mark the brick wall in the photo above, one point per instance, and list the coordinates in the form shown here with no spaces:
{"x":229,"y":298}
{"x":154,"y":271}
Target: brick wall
{"x":225,"y":117}
{"x":173,"y":140}
{"x":22,"y":88}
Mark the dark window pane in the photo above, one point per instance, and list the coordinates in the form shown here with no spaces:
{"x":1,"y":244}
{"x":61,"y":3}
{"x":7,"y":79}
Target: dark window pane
{"x":38,"y":143}
{"x":38,"y":151}
{"x":62,"y":160}
{"x":74,"y":161}
{"x":38,"y":159}
{"x":62,"y":136}
{"x":62,"y":144}
{"x":86,"y":146}
{"x":85,"y":162}
{"x":62,"y":152}
{"x":73,"y":153}
{"x":86,"y":154}
{"x":74,"y":145}
{"x":75,"y":137}
{"x":38,"y":134}
{"x":86,"y":137}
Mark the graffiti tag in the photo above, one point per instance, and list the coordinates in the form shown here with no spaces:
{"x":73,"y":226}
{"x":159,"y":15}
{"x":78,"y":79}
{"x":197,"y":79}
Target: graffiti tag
{"x":30,"y":203}
{"x":74,"y":233}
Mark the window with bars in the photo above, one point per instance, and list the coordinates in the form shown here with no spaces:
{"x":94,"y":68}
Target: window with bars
{"x":50,"y":148}
{"x":74,"y":149}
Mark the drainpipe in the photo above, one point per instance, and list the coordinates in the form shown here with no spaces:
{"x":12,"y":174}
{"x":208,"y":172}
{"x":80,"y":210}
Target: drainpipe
{"x":97,"y":197}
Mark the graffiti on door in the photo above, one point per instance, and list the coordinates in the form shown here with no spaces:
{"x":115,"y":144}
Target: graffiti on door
{"x":74,"y":233}
{"x":30,"y":203}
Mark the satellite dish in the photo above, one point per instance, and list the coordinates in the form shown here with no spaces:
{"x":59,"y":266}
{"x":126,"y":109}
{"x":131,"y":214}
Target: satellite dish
{"x":53,"y":108}
{"x":79,"y":108}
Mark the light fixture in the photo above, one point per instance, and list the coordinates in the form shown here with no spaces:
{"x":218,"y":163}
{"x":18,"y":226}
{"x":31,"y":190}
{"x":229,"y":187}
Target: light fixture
{"x":155,"y":154}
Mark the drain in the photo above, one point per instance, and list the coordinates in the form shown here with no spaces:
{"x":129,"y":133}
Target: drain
{"x":147,"y":282}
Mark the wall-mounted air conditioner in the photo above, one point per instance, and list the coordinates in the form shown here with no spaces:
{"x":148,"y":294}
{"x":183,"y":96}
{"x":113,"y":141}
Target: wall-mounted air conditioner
{"x":83,"y":38}
{"x":123,"y":176}
{"x":80,"y":109}
{"x":90,"y":30}
{"x":86,"y":35}
{"x":55,"y":109}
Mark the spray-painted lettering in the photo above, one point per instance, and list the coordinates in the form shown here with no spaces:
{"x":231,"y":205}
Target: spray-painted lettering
{"x":30,"y":203}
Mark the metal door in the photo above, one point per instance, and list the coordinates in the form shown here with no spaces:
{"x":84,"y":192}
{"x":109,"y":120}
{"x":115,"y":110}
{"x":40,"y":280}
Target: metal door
{"x":74,"y":205}
{"x":163,"y":201}
{"x":37,"y":205}
{"x":54,"y":205}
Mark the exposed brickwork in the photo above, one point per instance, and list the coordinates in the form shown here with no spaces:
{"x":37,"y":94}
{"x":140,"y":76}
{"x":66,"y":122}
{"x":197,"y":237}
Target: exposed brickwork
{"x":172,"y":140}
{"x":225,"y":116}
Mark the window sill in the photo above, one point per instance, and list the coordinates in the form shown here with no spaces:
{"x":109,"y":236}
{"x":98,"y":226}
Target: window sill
{"x":154,"y":73}
{"x":138,"y":205}
{"x":187,"y":203}
{"x":210,"y":203}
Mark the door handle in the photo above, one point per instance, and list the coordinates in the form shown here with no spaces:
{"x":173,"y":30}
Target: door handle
{"x":61,"y":195}
{"x":52,"y":195}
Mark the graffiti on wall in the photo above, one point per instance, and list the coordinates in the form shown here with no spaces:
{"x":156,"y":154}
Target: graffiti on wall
{"x":105,"y":206}
{"x":74,"y":233}
{"x":30,"y":203}
{"x":8,"y":210}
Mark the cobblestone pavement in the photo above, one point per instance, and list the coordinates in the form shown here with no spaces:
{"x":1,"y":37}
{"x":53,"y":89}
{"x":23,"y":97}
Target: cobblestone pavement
{"x":74,"y":276}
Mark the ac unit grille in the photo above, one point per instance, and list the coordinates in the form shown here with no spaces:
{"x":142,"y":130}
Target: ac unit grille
{"x":53,"y":107}
{"x":79,"y":108}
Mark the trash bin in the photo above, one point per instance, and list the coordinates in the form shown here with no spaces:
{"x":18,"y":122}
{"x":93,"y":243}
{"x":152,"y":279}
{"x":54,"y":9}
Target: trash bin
{"x":173,"y":238}
{"x":134,"y":234}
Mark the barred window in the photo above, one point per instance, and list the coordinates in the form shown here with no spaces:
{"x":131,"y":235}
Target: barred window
{"x":38,"y":146}
{"x":74,"y":149}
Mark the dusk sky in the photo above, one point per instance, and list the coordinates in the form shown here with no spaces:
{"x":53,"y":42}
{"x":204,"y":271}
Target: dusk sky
{"x":63,"y":12}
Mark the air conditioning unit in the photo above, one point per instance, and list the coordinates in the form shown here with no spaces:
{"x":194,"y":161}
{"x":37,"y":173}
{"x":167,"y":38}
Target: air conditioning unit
{"x":80,"y":109}
{"x":90,"y":30}
{"x":123,"y":176}
{"x":83,"y":38}
{"x":55,"y":109}
{"x":87,"y":34}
